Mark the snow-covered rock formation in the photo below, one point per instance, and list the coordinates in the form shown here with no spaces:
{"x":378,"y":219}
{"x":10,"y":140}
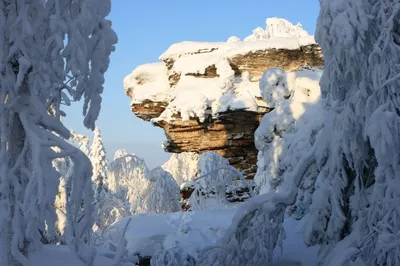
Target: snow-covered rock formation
{"x":206,"y":95}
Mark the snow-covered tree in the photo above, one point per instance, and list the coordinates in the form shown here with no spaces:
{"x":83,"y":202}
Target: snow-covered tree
{"x":216,"y":178}
{"x":120,"y":153}
{"x":163,"y":195}
{"x":274,"y":86}
{"x":154,"y":191}
{"x":123,"y":171}
{"x":209,"y":189}
{"x":65,"y":167}
{"x":144,"y":190}
{"x":48,"y":49}
{"x":276,"y":27}
{"x":280,"y":27}
{"x":354,"y":207}
{"x":99,"y":163}
{"x":182,"y":166}
{"x":109,"y":209}
{"x":82,"y":141}
{"x":289,"y":130}
{"x":233,"y":39}
{"x":354,"y":215}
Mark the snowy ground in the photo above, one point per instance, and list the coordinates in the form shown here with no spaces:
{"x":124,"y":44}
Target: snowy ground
{"x":51,"y":255}
{"x":148,"y":233}
{"x":189,"y":231}
{"x":192,"y":231}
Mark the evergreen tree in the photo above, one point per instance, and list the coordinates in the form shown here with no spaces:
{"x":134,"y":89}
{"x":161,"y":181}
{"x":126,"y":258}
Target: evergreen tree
{"x":82,"y":141}
{"x":99,"y":163}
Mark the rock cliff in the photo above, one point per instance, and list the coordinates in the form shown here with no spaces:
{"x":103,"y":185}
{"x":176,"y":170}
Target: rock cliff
{"x":206,"y":96}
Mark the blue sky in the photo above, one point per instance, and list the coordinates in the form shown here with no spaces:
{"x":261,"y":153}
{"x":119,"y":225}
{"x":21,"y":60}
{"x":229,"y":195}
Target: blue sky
{"x":145,"y":30}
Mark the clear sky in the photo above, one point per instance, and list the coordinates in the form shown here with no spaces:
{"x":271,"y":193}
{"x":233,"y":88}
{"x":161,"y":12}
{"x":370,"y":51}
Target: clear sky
{"x":146,"y":29}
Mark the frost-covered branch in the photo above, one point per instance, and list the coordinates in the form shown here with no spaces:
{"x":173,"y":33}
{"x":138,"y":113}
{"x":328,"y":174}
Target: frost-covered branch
{"x":121,"y":249}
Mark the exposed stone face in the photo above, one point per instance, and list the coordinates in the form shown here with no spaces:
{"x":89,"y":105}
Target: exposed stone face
{"x":209,"y":72}
{"x":290,"y":60}
{"x":231,"y":134}
{"x":147,"y":109}
{"x":256,"y":62}
{"x":174,"y":77}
